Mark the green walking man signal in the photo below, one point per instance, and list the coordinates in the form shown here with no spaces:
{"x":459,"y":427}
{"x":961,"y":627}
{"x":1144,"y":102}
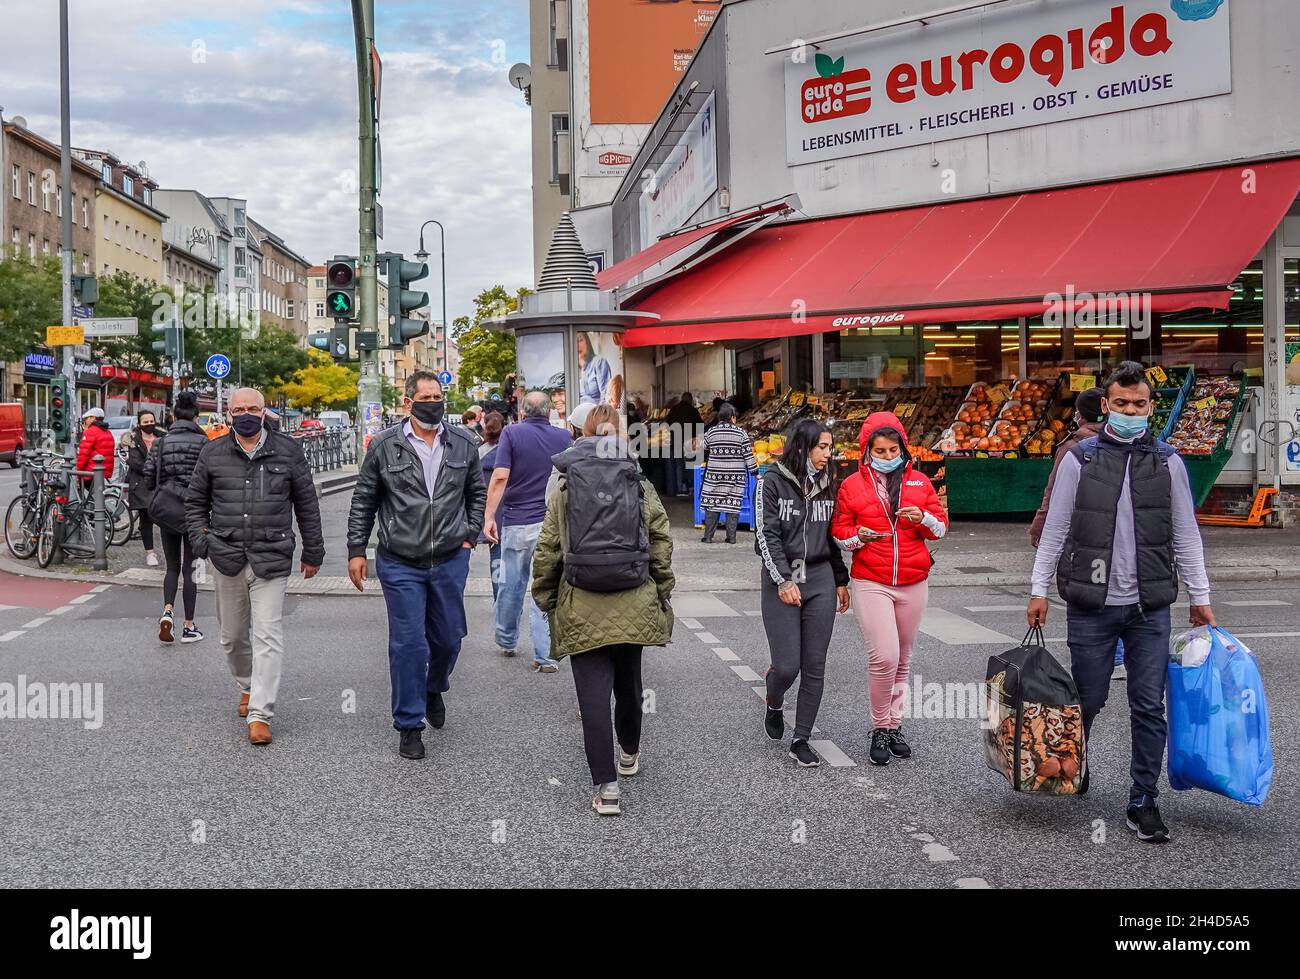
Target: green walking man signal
{"x":341,"y":299}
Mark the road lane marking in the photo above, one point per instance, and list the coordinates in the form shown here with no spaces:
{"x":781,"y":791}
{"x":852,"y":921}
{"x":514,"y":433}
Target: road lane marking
{"x":955,"y":630}
{"x":753,"y":613}
{"x":708,"y":638}
{"x":726,"y":655}
{"x":36,"y":623}
{"x":81,"y":599}
{"x":746,"y":674}
{"x":996,"y":608}
{"x":1266,"y":635}
{"x":100,"y":588}
{"x":13,"y":635}
{"x":831,"y":754}
{"x":1258,"y":603}
{"x":938,"y":853}
{"x":691,"y":624}
{"x":60,"y":611}
{"x":702,"y":605}
{"x":6,"y":608}
{"x":973,"y":884}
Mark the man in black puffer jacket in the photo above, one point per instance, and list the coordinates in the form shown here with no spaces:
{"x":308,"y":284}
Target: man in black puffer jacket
{"x":243,"y":496}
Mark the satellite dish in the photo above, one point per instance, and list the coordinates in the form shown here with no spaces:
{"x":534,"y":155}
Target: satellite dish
{"x":19,"y":121}
{"x":521,"y":76}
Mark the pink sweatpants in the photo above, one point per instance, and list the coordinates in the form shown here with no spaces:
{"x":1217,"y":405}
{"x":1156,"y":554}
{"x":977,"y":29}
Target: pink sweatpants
{"x":889,"y":618}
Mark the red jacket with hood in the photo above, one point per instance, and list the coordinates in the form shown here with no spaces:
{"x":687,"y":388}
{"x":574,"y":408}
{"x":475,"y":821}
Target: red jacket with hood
{"x":97,"y":440}
{"x":902,"y":558}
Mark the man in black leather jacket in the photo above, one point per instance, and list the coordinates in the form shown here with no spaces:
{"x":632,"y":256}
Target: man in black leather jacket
{"x":424,"y":482}
{"x":239,"y":509}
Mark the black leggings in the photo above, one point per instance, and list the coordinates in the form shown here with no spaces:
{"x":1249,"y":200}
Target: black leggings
{"x":598,"y":673}
{"x":173,"y":546}
{"x":146,"y":525}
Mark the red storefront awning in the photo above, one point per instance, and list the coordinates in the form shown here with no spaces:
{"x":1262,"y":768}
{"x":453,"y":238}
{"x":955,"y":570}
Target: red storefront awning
{"x":665,"y":248}
{"x":1179,"y":239}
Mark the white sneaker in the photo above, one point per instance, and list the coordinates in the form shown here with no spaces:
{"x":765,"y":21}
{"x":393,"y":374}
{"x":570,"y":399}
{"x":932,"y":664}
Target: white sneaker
{"x":606,"y":800}
{"x":628,"y":764}
{"x":151,"y":559}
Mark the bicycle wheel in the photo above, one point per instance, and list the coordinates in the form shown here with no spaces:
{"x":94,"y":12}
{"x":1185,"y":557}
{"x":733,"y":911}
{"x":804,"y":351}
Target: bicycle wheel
{"x":47,"y":538}
{"x":120,"y":520}
{"x":20,"y":528}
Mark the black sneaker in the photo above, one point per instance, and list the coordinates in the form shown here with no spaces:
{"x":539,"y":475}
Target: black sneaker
{"x":897,"y":746}
{"x":437,"y":710}
{"x":805,"y":756}
{"x":412,"y":745}
{"x":880,"y":753}
{"x":774,"y":724}
{"x":191,"y":634}
{"x":1143,"y":818}
{"x":166,"y":628}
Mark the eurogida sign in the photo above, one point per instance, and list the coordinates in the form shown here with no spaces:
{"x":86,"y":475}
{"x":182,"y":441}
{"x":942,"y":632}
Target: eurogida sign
{"x":1002,"y":67}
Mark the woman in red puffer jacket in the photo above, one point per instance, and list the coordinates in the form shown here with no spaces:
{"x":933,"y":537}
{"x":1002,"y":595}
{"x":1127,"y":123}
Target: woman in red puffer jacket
{"x":884,"y":515}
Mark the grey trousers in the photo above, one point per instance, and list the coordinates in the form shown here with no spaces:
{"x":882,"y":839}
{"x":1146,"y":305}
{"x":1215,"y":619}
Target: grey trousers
{"x":798,"y":637}
{"x":251,"y":625}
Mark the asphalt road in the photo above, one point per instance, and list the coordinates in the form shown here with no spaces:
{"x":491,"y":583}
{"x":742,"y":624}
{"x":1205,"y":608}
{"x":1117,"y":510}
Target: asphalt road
{"x":168,"y":792}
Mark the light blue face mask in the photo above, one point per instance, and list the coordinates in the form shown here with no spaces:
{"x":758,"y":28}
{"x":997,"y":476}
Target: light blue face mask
{"x":886,"y":466}
{"x":1127,"y":426}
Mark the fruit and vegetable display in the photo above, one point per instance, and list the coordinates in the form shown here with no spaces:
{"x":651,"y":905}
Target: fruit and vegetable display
{"x":999,"y":417}
{"x":1203,"y":424}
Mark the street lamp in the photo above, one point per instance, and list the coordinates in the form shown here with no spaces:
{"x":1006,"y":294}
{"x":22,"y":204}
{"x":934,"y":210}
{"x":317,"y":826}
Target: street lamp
{"x":422,"y":254}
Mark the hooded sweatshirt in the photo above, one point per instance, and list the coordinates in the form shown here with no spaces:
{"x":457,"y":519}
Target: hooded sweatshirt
{"x":901,"y":558}
{"x":793,"y":526}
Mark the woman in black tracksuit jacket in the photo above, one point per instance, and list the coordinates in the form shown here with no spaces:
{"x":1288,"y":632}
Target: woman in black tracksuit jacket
{"x":804,"y":580}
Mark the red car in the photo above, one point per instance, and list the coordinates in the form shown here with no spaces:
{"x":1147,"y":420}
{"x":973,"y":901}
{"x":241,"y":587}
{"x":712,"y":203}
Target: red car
{"x":311,"y":423}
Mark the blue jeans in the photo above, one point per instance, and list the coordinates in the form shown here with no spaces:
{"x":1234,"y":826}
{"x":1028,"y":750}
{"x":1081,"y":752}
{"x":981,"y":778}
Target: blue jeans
{"x":1092,"y":637}
{"x":426,"y":622}
{"x":517,"y":544}
{"x":494,"y":567}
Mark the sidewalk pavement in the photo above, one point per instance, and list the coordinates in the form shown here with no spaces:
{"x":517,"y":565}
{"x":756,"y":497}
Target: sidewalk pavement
{"x":975,"y":552}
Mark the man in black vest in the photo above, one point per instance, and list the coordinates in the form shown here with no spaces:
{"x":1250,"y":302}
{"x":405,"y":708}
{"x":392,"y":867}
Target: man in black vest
{"x":1121,"y":526}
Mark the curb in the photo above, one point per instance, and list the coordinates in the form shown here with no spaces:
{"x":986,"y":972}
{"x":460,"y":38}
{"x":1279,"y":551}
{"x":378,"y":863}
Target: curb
{"x":337,"y":482}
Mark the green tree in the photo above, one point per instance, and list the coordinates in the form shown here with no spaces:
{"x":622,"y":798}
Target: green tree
{"x":31,"y":299}
{"x":486,"y":355}
{"x":390,"y":395}
{"x":123,"y":294}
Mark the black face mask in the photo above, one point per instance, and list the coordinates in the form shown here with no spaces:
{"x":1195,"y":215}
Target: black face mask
{"x":149,"y":429}
{"x":247,"y":425}
{"x":428,"y":413}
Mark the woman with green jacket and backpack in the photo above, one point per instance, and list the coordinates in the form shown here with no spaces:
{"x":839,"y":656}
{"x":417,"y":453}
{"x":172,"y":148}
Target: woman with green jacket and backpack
{"x":602,"y":572}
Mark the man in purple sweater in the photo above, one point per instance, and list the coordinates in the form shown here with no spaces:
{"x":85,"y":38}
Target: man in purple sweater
{"x":515,"y":507}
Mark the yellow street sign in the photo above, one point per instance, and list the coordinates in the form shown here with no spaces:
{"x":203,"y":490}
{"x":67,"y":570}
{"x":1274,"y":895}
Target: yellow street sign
{"x":64,"y":336}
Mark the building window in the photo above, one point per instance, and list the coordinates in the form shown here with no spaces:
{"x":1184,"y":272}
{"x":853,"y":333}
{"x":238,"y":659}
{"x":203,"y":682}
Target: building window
{"x":553,"y":53}
{"x":320,"y":311}
{"x":13,"y":182}
{"x":58,"y":200}
{"x":128,"y":186}
{"x":31,"y":188}
{"x":31,"y":247}
{"x":17,"y":240}
{"x":106,"y":235}
{"x":45,"y":195}
{"x":107,"y":173}
{"x":289,"y":313}
{"x":45,"y":247}
{"x":85,"y":213}
{"x":117,"y":232}
{"x":148,"y":196}
{"x":559,"y":132}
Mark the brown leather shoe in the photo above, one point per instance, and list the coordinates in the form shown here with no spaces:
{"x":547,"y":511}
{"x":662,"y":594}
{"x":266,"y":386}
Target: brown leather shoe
{"x":259,"y":733}
{"x":243,"y":704}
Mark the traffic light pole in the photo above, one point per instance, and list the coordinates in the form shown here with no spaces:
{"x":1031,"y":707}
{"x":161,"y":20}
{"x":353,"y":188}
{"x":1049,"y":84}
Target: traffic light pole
{"x":368,"y":388}
{"x":68,"y":367}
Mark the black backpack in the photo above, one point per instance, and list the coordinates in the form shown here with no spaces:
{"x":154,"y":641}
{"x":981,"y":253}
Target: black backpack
{"x":607,"y":547}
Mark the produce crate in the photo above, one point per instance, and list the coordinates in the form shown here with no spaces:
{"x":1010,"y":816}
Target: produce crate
{"x":1203,"y":470}
{"x":987,"y":485}
{"x":1179,"y":394}
{"x":746,"y":501}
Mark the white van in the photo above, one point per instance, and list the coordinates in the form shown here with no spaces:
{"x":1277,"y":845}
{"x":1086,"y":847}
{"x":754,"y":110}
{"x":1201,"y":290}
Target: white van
{"x":334,"y":419}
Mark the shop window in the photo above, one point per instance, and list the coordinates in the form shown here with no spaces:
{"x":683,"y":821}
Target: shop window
{"x":1219,"y":341}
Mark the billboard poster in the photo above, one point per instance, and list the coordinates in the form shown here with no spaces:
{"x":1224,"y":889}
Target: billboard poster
{"x":1001,"y":67}
{"x":600,"y":368}
{"x":684,"y":181}
{"x":639,"y":51}
{"x":540,"y":367}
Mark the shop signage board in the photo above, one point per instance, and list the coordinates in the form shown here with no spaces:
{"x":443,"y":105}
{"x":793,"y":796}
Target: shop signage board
{"x":999,"y":68}
{"x":684,"y":181}
{"x":869,"y":367}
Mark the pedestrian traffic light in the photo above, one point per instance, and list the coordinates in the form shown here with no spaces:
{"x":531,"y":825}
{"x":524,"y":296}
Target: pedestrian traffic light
{"x":401,"y":300}
{"x":340,"y":341}
{"x":341,"y":299}
{"x":171,"y":344}
{"x":86,"y":289}
{"x":60,"y":410}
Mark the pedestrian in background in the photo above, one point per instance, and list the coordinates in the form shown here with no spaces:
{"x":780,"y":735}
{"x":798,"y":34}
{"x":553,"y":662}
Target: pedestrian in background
{"x":803,"y":579}
{"x":246,"y":489}
{"x":603,"y":574}
{"x":487,"y":453}
{"x":96,"y":439}
{"x":472,"y":420}
{"x":684,"y":423}
{"x":516,"y":506}
{"x":885,"y":513}
{"x":1122,"y":504}
{"x":424,"y":482}
{"x":167,"y":472}
{"x":728,"y":463}
{"x":138,"y":492}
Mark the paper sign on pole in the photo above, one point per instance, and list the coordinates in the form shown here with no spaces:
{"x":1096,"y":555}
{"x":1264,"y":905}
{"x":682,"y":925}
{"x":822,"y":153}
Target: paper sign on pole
{"x":64,"y":336}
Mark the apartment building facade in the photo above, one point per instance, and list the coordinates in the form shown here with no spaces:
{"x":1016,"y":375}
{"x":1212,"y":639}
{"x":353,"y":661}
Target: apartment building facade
{"x":283,"y":276}
{"x":128,"y":228}
{"x":32,"y":212}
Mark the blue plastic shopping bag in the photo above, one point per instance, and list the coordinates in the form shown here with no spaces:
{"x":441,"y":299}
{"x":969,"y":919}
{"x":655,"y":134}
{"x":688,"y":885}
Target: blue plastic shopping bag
{"x":1218,"y":717}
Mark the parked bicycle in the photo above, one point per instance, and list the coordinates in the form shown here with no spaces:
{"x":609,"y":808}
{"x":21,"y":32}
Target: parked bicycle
{"x":54,"y":509}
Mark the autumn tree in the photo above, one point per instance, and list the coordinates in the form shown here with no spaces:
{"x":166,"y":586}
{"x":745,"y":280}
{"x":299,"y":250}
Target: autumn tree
{"x":322,"y":384}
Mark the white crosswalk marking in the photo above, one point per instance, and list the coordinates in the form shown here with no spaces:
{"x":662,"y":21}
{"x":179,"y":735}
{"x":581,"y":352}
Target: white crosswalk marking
{"x":81,"y":599}
{"x":702,"y":605}
{"x":691,"y":623}
{"x":708,"y":638}
{"x":36,"y":623}
{"x":1258,"y":603}
{"x":61,"y":611}
{"x":745,"y":673}
{"x":6,"y":608}
{"x":831,"y":754}
{"x":725,"y":654}
{"x":12,"y":635}
{"x":100,"y":588}
{"x":955,"y":630}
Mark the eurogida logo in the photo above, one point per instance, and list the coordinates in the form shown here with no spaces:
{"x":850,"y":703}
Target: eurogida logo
{"x":1196,"y":9}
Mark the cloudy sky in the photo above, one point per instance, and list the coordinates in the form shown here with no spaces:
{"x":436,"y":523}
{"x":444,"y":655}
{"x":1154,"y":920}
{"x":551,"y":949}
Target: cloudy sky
{"x":257,"y":99}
